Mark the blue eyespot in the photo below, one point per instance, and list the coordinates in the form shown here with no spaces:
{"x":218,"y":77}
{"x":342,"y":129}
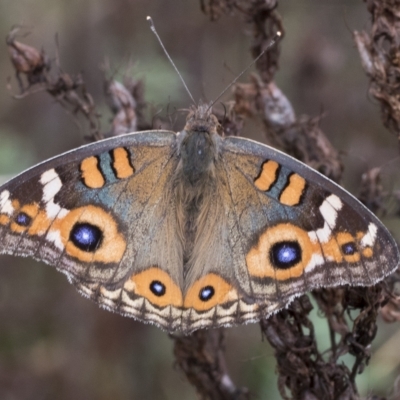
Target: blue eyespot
{"x":206,"y":293}
{"x":349,"y":248}
{"x":157,"y":288}
{"x":86,"y":237}
{"x":23,"y":219}
{"x":285,"y":254}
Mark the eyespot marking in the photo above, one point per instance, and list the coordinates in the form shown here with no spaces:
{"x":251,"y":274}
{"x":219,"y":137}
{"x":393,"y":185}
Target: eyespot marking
{"x":24,"y":216}
{"x":343,"y":247}
{"x":23,"y":219}
{"x":86,"y":237}
{"x":285,"y":254}
{"x":121,"y":163}
{"x":286,"y":251}
{"x":294,"y":190}
{"x":206,"y":293}
{"x":283,"y":251}
{"x":77,"y":234}
{"x":349,"y":248}
{"x":91,"y":174}
{"x":268,"y":175}
{"x":209,"y":291}
{"x":156,"y":286}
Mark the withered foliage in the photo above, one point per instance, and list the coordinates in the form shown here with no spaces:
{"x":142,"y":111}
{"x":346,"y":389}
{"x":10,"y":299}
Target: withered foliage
{"x":201,"y":356}
{"x":304,"y":371}
{"x":300,"y":137}
{"x":371,"y":192}
{"x":380,"y":57}
{"x":351,"y":313}
{"x":41,"y":74}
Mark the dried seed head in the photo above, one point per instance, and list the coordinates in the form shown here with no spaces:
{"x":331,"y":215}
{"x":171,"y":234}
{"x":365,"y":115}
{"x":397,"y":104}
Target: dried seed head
{"x":26,"y":59}
{"x":118,"y":96}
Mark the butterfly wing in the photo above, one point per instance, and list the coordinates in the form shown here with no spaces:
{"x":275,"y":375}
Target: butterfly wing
{"x":283,"y":229}
{"x":102,"y":215}
{"x":270,"y":229}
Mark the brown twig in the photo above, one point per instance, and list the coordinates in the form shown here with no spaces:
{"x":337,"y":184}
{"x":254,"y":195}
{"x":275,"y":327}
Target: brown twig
{"x":201,"y":357}
{"x":126,"y":101}
{"x":68,"y":90}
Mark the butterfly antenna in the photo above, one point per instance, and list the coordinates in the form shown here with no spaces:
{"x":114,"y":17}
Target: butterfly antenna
{"x":153,"y":28}
{"x":274,"y":40}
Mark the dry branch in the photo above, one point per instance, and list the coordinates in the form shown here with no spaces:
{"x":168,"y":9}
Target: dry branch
{"x":380,"y":57}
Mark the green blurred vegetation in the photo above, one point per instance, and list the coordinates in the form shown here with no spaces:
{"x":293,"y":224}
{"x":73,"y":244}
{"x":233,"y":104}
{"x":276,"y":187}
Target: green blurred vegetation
{"x":15,"y":153}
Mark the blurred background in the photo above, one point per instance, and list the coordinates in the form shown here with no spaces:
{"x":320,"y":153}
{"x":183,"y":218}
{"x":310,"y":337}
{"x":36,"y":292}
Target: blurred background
{"x":56,"y":344}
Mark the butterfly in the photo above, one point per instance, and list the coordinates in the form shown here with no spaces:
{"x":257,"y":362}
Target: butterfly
{"x":193,"y":229}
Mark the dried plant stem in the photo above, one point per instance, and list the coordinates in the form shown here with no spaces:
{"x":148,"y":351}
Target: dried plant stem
{"x":379,"y":53}
{"x":201,"y":357}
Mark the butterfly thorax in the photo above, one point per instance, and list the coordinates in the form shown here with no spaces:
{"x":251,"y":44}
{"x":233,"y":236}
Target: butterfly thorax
{"x":197,"y":151}
{"x":198,"y":146}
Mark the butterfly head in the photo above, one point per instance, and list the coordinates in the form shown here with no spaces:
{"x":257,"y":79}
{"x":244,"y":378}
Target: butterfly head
{"x":201,"y":120}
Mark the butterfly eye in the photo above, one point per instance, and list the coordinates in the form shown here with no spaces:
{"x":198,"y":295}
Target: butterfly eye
{"x":23,"y":219}
{"x":206,"y":293}
{"x":86,"y":237}
{"x":157,"y":288}
{"x":285,"y":254}
{"x":349,"y":248}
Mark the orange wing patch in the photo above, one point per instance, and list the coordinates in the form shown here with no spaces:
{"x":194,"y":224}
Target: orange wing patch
{"x":268,"y":175}
{"x":259,"y":261}
{"x":4,"y":219}
{"x":92,"y":177}
{"x":31,"y":211}
{"x":112,"y":245}
{"x":121,"y":163}
{"x":292,"y":193}
{"x":286,"y":251}
{"x":157,"y":286}
{"x":209,"y":291}
{"x":367,"y":252}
